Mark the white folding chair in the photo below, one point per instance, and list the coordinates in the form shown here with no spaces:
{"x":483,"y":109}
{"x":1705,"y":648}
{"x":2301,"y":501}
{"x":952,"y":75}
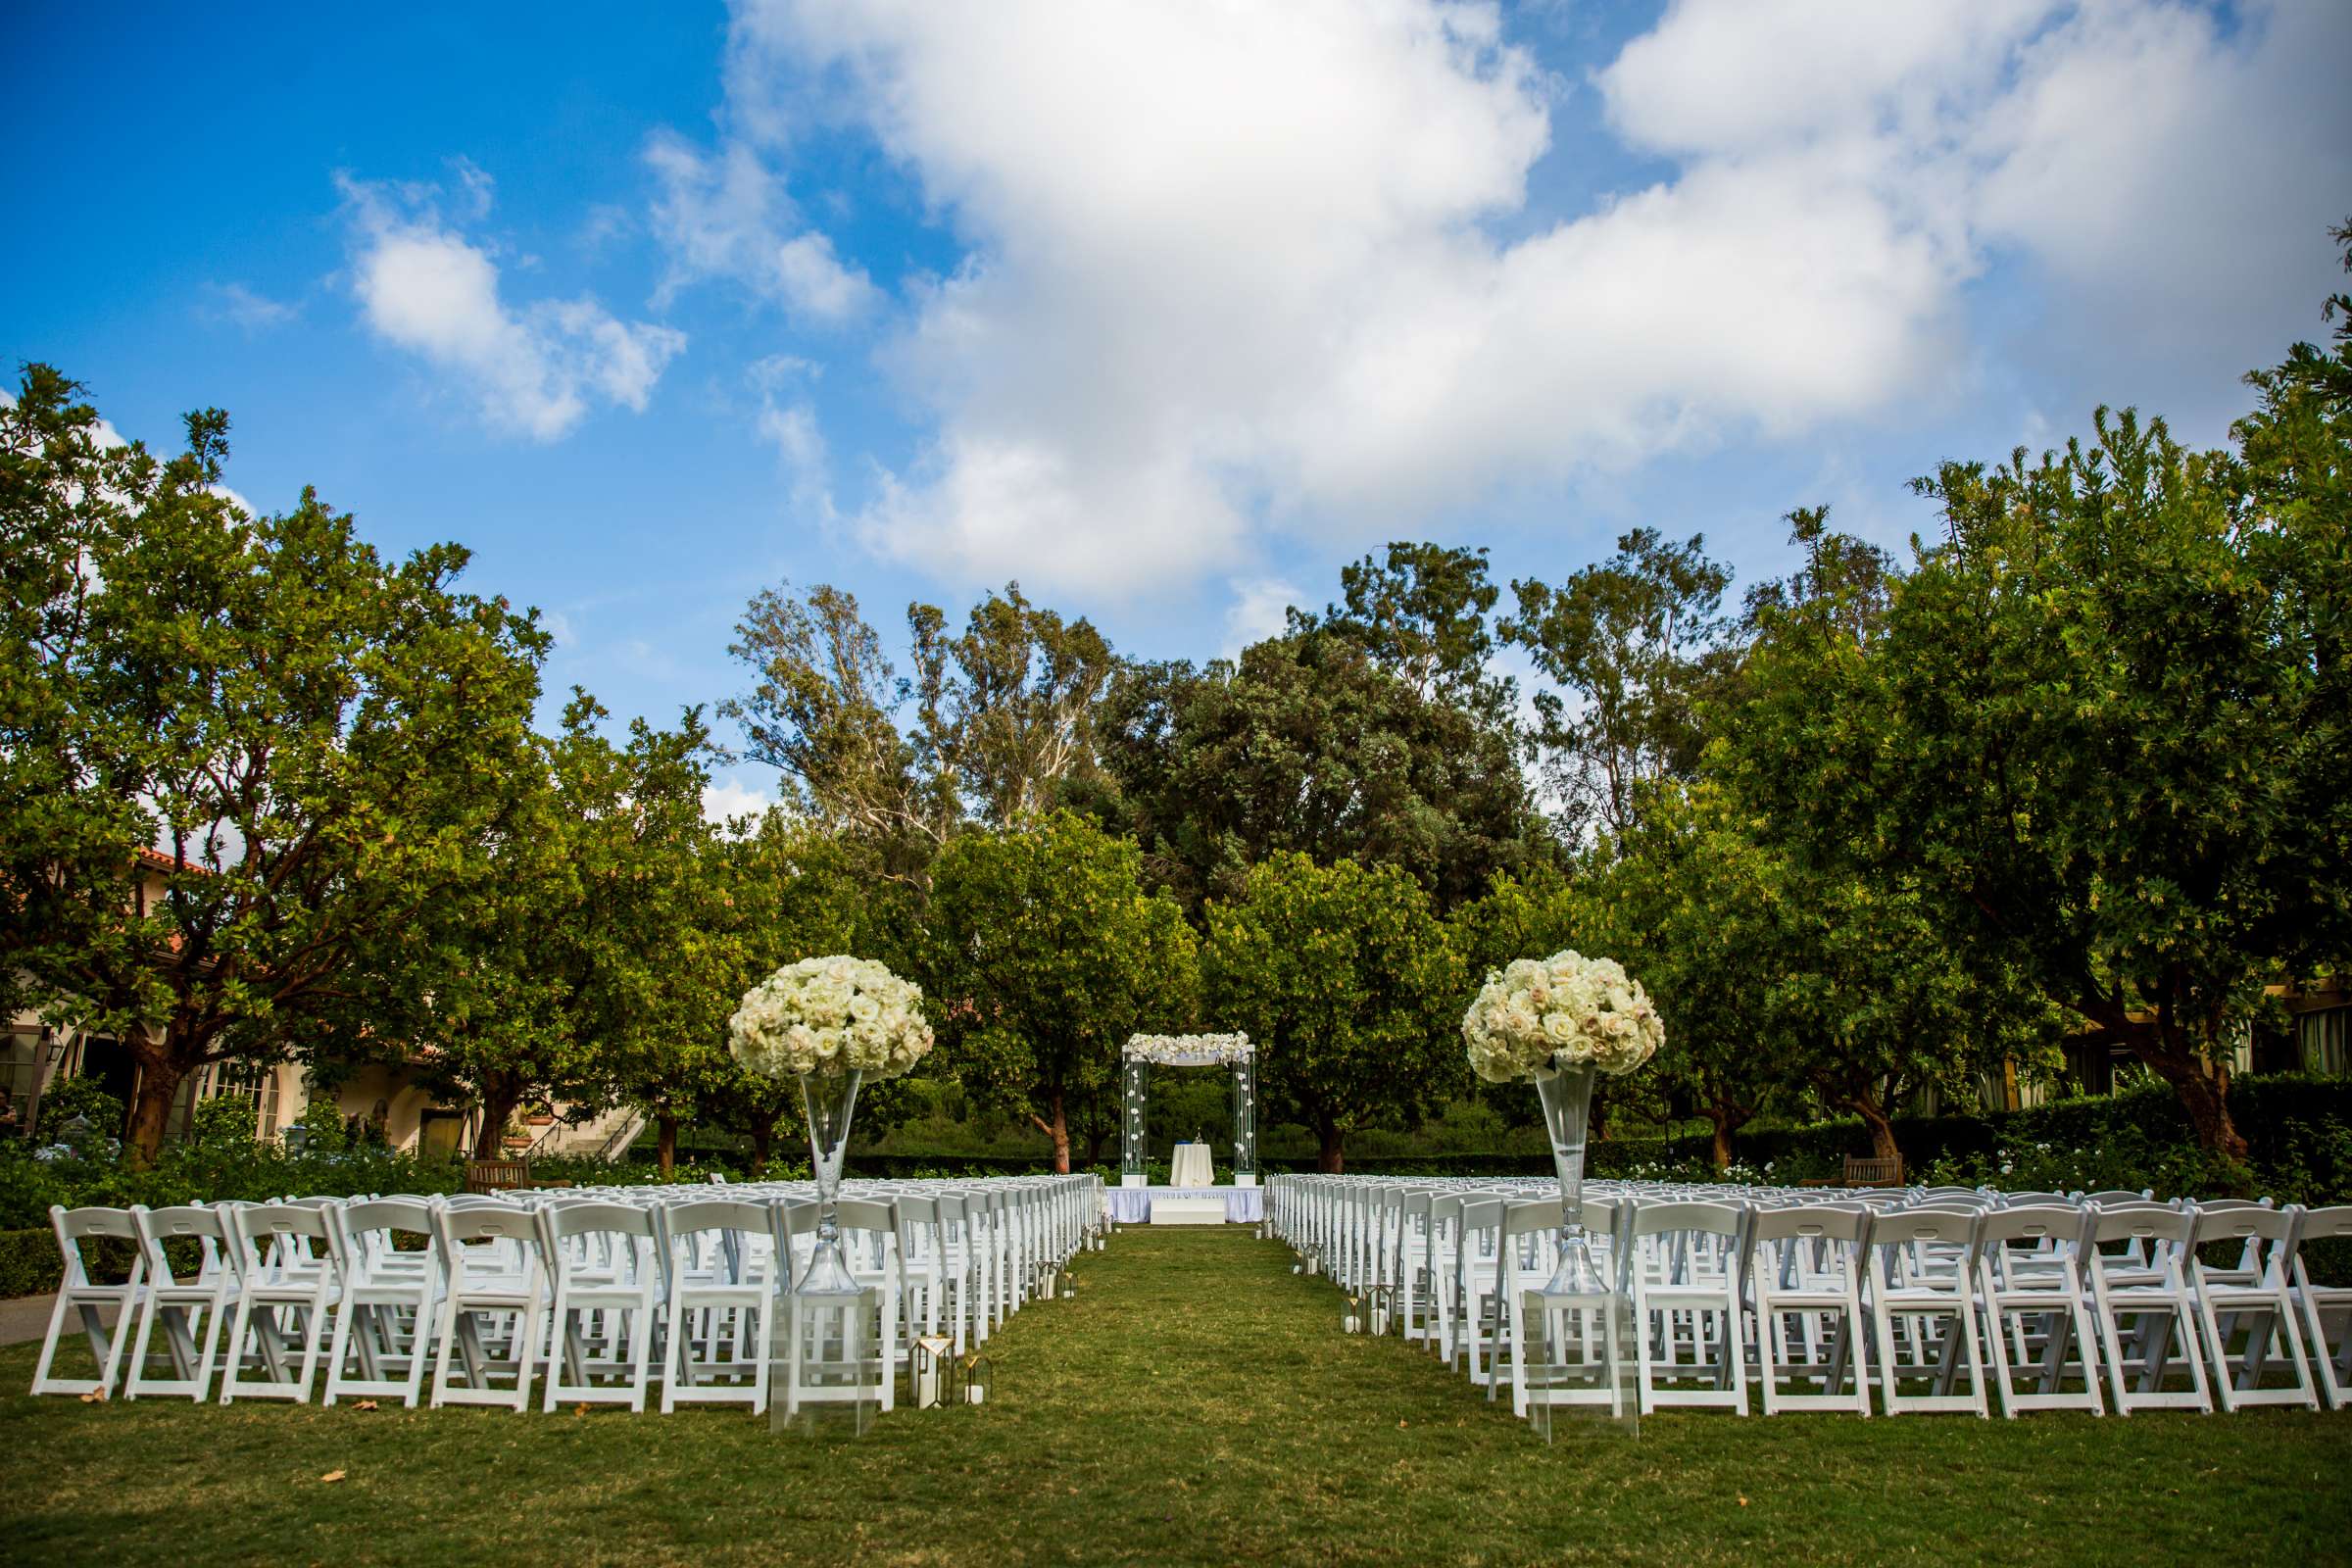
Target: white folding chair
{"x":2143,"y":1280}
{"x":286,"y":1291}
{"x":604,"y":1293}
{"x":2330,"y":1359}
{"x":79,"y":1296}
{"x":493,"y":1287}
{"x":2037,"y":1321}
{"x":191,"y":1311}
{"x":385,"y":1301}
{"x":722,"y":1287}
{"x":1684,"y":1271}
{"x":1805,"y":1282}
{"x":1923,"y":1297}
{"x":2250,"y":1299}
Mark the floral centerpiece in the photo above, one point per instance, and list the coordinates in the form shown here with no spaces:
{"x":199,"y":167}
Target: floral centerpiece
{"x":1558,"y":1023}
{"x":831,"y":1023}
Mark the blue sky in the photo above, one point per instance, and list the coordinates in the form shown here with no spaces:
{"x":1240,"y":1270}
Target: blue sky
{"x":1167,"y":310}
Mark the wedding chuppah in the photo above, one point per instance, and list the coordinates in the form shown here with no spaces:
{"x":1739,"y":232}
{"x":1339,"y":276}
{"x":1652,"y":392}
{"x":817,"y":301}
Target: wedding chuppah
{"x":1192,"y":1195}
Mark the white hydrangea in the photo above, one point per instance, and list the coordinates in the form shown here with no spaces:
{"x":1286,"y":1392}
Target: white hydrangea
{"x":830,"y":1015}
{"x":1564,"y":1010}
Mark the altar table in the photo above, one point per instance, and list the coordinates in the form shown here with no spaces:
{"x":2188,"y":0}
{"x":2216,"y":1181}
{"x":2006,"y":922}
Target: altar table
{"x":1191,"y":1167}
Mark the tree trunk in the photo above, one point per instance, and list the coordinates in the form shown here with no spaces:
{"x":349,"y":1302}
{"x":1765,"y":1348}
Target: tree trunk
{"x":160,"y":1079}
{"x":1881,"y":1130}
{"x":1061,"y":1129}
{"x":1332,"y":1157}
{"x":500,"y":1096}
{"x":2203,"y":1092}
{"x":763,"y":1143}
{"x":1723,"y":1139}
{"x":665,"y":1144}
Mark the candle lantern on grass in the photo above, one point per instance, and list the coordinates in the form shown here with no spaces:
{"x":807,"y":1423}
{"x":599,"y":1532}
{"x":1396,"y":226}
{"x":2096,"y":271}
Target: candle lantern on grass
{"x":934,"y":1354}
{"x":973,"y":1380}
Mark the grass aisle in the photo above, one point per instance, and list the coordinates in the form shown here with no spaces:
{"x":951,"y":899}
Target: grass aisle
{"x":1196,"y":1404}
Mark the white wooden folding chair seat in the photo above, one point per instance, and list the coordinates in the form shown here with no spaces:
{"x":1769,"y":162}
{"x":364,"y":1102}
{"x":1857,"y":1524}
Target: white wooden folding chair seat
{"x":1804,"y":1285}
{"x":493,"y":1293}
{"x":81,"y":1299}
{"x":191,"y":1311}
{"x":2037,"y":1320}
{"x":2141,"y":1279}
{"x":286,"y":1291}
{"x":2249,"y":1300}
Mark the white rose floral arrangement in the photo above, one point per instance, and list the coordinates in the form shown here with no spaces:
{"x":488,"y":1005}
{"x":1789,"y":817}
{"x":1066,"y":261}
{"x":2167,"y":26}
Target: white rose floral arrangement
{"x":1566,"y":1011}
{"x":830,"y":1016}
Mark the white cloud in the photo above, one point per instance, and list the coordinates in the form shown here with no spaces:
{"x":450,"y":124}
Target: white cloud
{"x":726,"y":800}
{"x":1232,"y":266}
{"x":236,"y":304}
{"x":726,"y":216}
{"x":425,"y":288}
{"x":1260,"y":610}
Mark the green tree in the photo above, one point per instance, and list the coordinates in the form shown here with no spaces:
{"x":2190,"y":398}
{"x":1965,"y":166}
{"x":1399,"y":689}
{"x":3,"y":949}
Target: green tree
{"x":1309,"y":745}
{"x":1347,"y":982}
{"x":1692,"y":908}
{"x":997,"y":721}
{"x":1045,"y":953}
{"x":310,"y":743}
{"x":1421,"y":614}
{"x":1634,"y":645}
{"x":577,"y":967}
{"x":2101,"y":732}
{"x":785,"y":892}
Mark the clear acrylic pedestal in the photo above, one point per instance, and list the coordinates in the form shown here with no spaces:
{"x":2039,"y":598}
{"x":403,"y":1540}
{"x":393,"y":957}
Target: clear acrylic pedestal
{"x":1583,"y":1367}
{"x":826,"y":1371}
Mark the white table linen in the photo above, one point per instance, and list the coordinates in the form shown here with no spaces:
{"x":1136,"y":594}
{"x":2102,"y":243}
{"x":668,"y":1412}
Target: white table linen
{"x":1191,"y":1167}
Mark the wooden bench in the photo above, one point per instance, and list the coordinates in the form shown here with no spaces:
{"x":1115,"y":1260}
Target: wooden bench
{"x":502,"y":1176}
{"x":1863,"y":1174}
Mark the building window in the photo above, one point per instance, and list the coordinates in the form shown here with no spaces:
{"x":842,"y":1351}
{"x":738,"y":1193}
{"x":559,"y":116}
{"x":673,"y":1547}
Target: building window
{"x":2321,"y":1035}
{"x":257,"y":1084}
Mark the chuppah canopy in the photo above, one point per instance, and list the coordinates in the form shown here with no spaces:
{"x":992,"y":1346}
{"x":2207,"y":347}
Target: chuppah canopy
{"x":1145,"y":1052}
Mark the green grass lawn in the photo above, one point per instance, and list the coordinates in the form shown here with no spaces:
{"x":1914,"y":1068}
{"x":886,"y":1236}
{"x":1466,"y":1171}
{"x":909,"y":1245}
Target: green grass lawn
{"x":1196,"y":1404}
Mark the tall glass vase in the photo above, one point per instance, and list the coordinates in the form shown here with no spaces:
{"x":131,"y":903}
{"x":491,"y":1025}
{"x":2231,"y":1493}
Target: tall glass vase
{"x":1567,"y":1096}
{"x":829,"y":1099}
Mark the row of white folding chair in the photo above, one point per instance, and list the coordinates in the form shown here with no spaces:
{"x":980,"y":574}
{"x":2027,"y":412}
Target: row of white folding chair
{"x":494,"y":1261}
{"x":1932,"y":1275}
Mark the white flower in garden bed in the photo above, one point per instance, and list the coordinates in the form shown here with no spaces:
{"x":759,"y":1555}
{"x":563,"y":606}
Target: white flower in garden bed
{"x":1566,"y":1011}
{"x":832,"y":1017}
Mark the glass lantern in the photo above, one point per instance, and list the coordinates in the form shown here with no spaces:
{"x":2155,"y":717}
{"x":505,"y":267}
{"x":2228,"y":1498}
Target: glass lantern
{"x":930,"y":1369}
{"x":1353,"y":1320}
{"x":972,"y":1380}
{"x":1381,"y":1307}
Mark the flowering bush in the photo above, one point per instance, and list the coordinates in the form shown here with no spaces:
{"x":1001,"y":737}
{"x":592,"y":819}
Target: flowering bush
{"x":1566,"y":1011}
{"x":830,"y":1015}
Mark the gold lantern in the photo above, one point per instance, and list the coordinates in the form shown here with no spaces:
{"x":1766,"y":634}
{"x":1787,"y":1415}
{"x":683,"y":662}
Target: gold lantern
{"x":931,"y":1370}
{"x":972,"y":1380}
{"x":1353,"y":1322}
{"x":1383,"y":1308}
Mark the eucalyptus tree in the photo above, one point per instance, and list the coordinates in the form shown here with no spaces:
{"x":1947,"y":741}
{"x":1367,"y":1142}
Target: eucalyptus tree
{"x":1044,"y":952}
{"x":231,"y":748}
{"x":1349,"y":983}
{"x":1634,"y":647}
{"x":987,"y":726}
{"x":1420,"y":613}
